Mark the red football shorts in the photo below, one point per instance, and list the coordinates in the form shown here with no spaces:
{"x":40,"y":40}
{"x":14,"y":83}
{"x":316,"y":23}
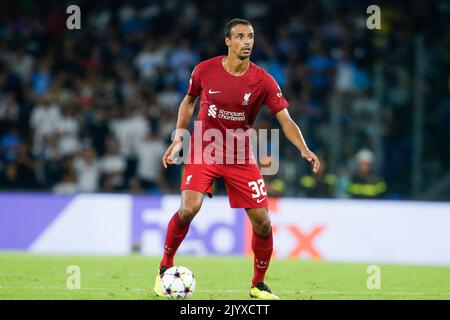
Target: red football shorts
{"x":244,"y":183}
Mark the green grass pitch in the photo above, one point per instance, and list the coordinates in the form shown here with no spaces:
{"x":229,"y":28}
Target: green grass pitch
{"x":30,"y":276}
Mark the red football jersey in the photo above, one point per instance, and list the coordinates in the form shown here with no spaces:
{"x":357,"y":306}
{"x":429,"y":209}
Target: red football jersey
{"x":232,"y":102}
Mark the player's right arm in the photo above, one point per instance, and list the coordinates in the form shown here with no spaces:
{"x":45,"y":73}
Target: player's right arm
{"x":185,"y":114}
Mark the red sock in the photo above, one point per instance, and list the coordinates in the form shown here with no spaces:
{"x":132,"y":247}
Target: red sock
{"x":176,"y":232}
{"x":262,"y":247}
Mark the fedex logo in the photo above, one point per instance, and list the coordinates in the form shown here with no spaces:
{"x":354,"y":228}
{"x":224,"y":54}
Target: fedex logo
{"x":291,"y":239}
{"x":216,"y":230}
{"x":304,"y":240}
{"x":219,"y":230}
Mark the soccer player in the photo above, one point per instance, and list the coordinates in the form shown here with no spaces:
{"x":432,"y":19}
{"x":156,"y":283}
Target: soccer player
{"x":232,"y":90}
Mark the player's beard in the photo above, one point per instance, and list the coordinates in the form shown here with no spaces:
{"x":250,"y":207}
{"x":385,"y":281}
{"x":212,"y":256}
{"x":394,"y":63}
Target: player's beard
{"x":242,"y":56}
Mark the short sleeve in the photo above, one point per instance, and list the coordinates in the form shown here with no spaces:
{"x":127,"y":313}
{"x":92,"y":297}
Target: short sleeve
{"x":194,"y":83}
{"x":274,"y":97}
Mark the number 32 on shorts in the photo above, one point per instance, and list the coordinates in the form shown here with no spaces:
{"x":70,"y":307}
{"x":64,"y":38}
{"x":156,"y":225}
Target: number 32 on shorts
{"x":258,"y":187}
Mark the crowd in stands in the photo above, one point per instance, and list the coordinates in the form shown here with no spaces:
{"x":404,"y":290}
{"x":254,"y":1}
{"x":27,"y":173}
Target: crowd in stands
{"x":92,"y":110}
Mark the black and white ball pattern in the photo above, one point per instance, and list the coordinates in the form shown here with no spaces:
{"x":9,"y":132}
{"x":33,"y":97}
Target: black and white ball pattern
{"x":178,"y":283}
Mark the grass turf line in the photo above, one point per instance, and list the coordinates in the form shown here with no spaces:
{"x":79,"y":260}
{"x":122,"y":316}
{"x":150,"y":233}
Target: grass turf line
{"x":31,"y":276}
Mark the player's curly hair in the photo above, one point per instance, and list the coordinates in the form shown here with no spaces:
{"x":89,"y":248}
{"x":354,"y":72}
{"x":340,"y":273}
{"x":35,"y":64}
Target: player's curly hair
{"x":232,"y":23}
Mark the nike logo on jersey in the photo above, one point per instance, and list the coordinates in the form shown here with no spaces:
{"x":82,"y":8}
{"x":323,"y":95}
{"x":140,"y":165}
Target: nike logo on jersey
{"x":213,"y":92}
{"x":260,"y":200}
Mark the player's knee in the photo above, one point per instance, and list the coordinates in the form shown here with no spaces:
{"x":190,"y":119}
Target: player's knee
{"x":265,"y":228}
{"x":188,"y":212}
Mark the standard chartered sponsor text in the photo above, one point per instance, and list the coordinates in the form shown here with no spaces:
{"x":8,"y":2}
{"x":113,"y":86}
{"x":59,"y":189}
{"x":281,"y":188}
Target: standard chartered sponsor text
{"x":231,"y":115}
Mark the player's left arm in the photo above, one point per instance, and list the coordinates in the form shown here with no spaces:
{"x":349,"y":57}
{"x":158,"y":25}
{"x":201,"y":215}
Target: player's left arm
{"x":293,"y":133}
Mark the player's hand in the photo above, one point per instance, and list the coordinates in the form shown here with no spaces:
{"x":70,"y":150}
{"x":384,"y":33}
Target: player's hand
{"x":171,"y":153}
{"x":311,"y":157}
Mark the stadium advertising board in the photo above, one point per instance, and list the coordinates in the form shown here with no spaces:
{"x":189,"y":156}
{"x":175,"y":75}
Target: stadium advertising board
{"x":335,"y":230}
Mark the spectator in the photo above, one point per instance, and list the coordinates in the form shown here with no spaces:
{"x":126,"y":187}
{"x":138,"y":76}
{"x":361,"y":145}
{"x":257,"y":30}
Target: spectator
{"x":149,"y":169}
{"x":41,"y":80}
{"x":68,"y":129}
{"x":44,"y":121}
{"x":130,"y":131}
{"x":319,"y":185}
{"x":9,"y":144}
{"x":68,"y":185}
{"x":87,"y":170}
{"x":26,"y":166}
{"x":9,"y":178}
{"x":20,"y":173}
{"x":364,"y":182}
{"x":112,"y":167}
{"x":149,"y":59}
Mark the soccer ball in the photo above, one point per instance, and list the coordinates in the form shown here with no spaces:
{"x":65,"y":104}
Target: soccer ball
{"x":178,"y":283}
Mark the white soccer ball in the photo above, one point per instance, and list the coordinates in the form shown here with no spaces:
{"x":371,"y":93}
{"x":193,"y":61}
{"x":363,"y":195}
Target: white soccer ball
{"x":178,"y":283}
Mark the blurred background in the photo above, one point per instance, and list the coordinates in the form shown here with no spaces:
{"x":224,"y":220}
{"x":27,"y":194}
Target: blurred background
{"x":92,"y":110}
{"x":86,"y":115}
